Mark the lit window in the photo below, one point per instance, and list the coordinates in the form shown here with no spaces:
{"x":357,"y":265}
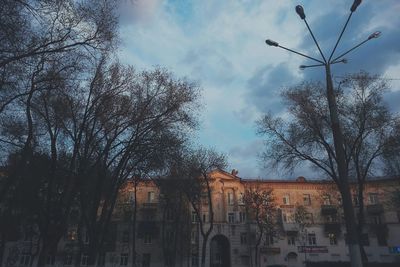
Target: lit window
{"x":72,"y":234}
{"x":332,"y":239}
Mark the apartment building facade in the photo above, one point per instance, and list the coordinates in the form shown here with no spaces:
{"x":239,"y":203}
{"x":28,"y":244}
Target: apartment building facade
{"x":170,"y":232}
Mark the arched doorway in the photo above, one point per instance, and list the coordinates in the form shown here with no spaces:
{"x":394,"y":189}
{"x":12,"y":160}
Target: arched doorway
{"x":291,"y":259}
{"x":220,"y":255}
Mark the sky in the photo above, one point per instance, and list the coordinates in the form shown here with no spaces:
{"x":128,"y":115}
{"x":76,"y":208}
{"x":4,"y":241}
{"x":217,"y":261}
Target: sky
{"x":221,"y":45}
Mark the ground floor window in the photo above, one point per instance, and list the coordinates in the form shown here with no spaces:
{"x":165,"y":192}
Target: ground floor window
{"x":146,"y":260}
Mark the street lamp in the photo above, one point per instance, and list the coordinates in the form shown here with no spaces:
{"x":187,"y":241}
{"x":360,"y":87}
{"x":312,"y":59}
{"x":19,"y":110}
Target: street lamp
{"x":343,"y":184}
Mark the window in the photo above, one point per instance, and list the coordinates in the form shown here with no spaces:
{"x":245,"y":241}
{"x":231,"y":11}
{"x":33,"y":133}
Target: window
{"x":146,"y":260}
{"x":326,"y":199}
{"x":312,"y":240}
{"x":286,"y":200}
{"x":194,"y":237}
{"x":241,"y":198}
{"x":332,"y":239}
{"x":376,"y":219}
{"x":205,"y":215}
{"x":170,"y":215}
{"x":150,"y":197}
{"x":169,"y":236}
{"x":25,"y":259}
{"x":291,"y":240}
{"x":50,"y":260}
{"x":72,"y":234}
{"x":242,"y":216}
{"x":355,"y":200}
{"x":288,"y":217}
{"x":269,"y":240}
{"x":124,"y":259}
{"x":233,"y":229}
{"x":373,"y":198}
{"x":365,"y":239}
{"x":86,"y":241}
{"x":243,"y":238}
{"x":382,"y":240}
{"x":230,"y":198}
{"x":231,"y":217}
{"x":147,"y":238}
{"x":194,"y":216}
{"x":101,"y":260}
{"x":68,"y":259}
{"x":306,"y":199}
{"x":244,"y":260}
{"x":194,"y":260}
{"x":84,"y":259}
{"x":125,"y":236}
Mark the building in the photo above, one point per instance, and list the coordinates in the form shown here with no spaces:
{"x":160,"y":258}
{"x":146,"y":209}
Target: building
{"x":169,"y":230}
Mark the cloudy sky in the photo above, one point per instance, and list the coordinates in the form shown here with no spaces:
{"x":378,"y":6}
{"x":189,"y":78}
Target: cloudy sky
{"x":220,"y":44}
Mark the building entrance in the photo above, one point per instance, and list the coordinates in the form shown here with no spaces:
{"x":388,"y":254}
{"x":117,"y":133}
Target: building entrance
{"x":220,"y":252}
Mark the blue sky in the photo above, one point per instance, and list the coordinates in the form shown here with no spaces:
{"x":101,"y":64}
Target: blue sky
{"x":220,"y":44}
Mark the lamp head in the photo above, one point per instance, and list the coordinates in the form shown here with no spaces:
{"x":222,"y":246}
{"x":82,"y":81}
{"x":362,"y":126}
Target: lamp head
{"x":300,"y":12}
{"x":374,"y":35}
{"x":271,"y":43}
{"x":302,"y":67}
{"x":356,"y":3}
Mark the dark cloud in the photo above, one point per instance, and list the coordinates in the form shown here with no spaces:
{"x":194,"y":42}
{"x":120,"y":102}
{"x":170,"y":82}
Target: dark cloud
{"x":265,"y":86}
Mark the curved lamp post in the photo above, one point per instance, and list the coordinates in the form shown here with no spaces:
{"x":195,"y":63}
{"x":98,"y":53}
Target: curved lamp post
{"x":343,"y":184}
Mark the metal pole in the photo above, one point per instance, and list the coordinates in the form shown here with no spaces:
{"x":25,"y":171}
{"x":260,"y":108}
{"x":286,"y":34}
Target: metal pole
{"x":353,"y":239}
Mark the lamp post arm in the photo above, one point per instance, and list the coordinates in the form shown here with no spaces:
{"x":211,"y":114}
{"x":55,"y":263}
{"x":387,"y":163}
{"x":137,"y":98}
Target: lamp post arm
{"x":340,"y":36}
{"x":348,"y":51}
{"x":315,"y":40}
{"x":301,"y":54}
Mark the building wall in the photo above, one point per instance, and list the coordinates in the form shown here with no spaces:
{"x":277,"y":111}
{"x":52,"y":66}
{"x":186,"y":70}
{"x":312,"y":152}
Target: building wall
{"x":227,"y":193}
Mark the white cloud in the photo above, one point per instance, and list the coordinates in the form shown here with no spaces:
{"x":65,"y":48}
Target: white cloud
{"x":221,"y":45}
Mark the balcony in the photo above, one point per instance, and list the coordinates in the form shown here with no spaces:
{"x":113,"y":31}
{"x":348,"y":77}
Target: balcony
{"x":380,"y":228}
{"x":328,"y":210}
{"x":270,"y":250}
{"x":290,"y":228}
{"x":332,"y":228}
{"x":375,"y":208}
{"x":150,"y":205}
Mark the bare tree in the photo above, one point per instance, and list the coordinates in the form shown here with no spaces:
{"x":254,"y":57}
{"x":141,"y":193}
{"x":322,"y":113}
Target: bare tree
{"x":306,"y":137}
{"x":193,"y":168}
{"x":261,"y":209}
